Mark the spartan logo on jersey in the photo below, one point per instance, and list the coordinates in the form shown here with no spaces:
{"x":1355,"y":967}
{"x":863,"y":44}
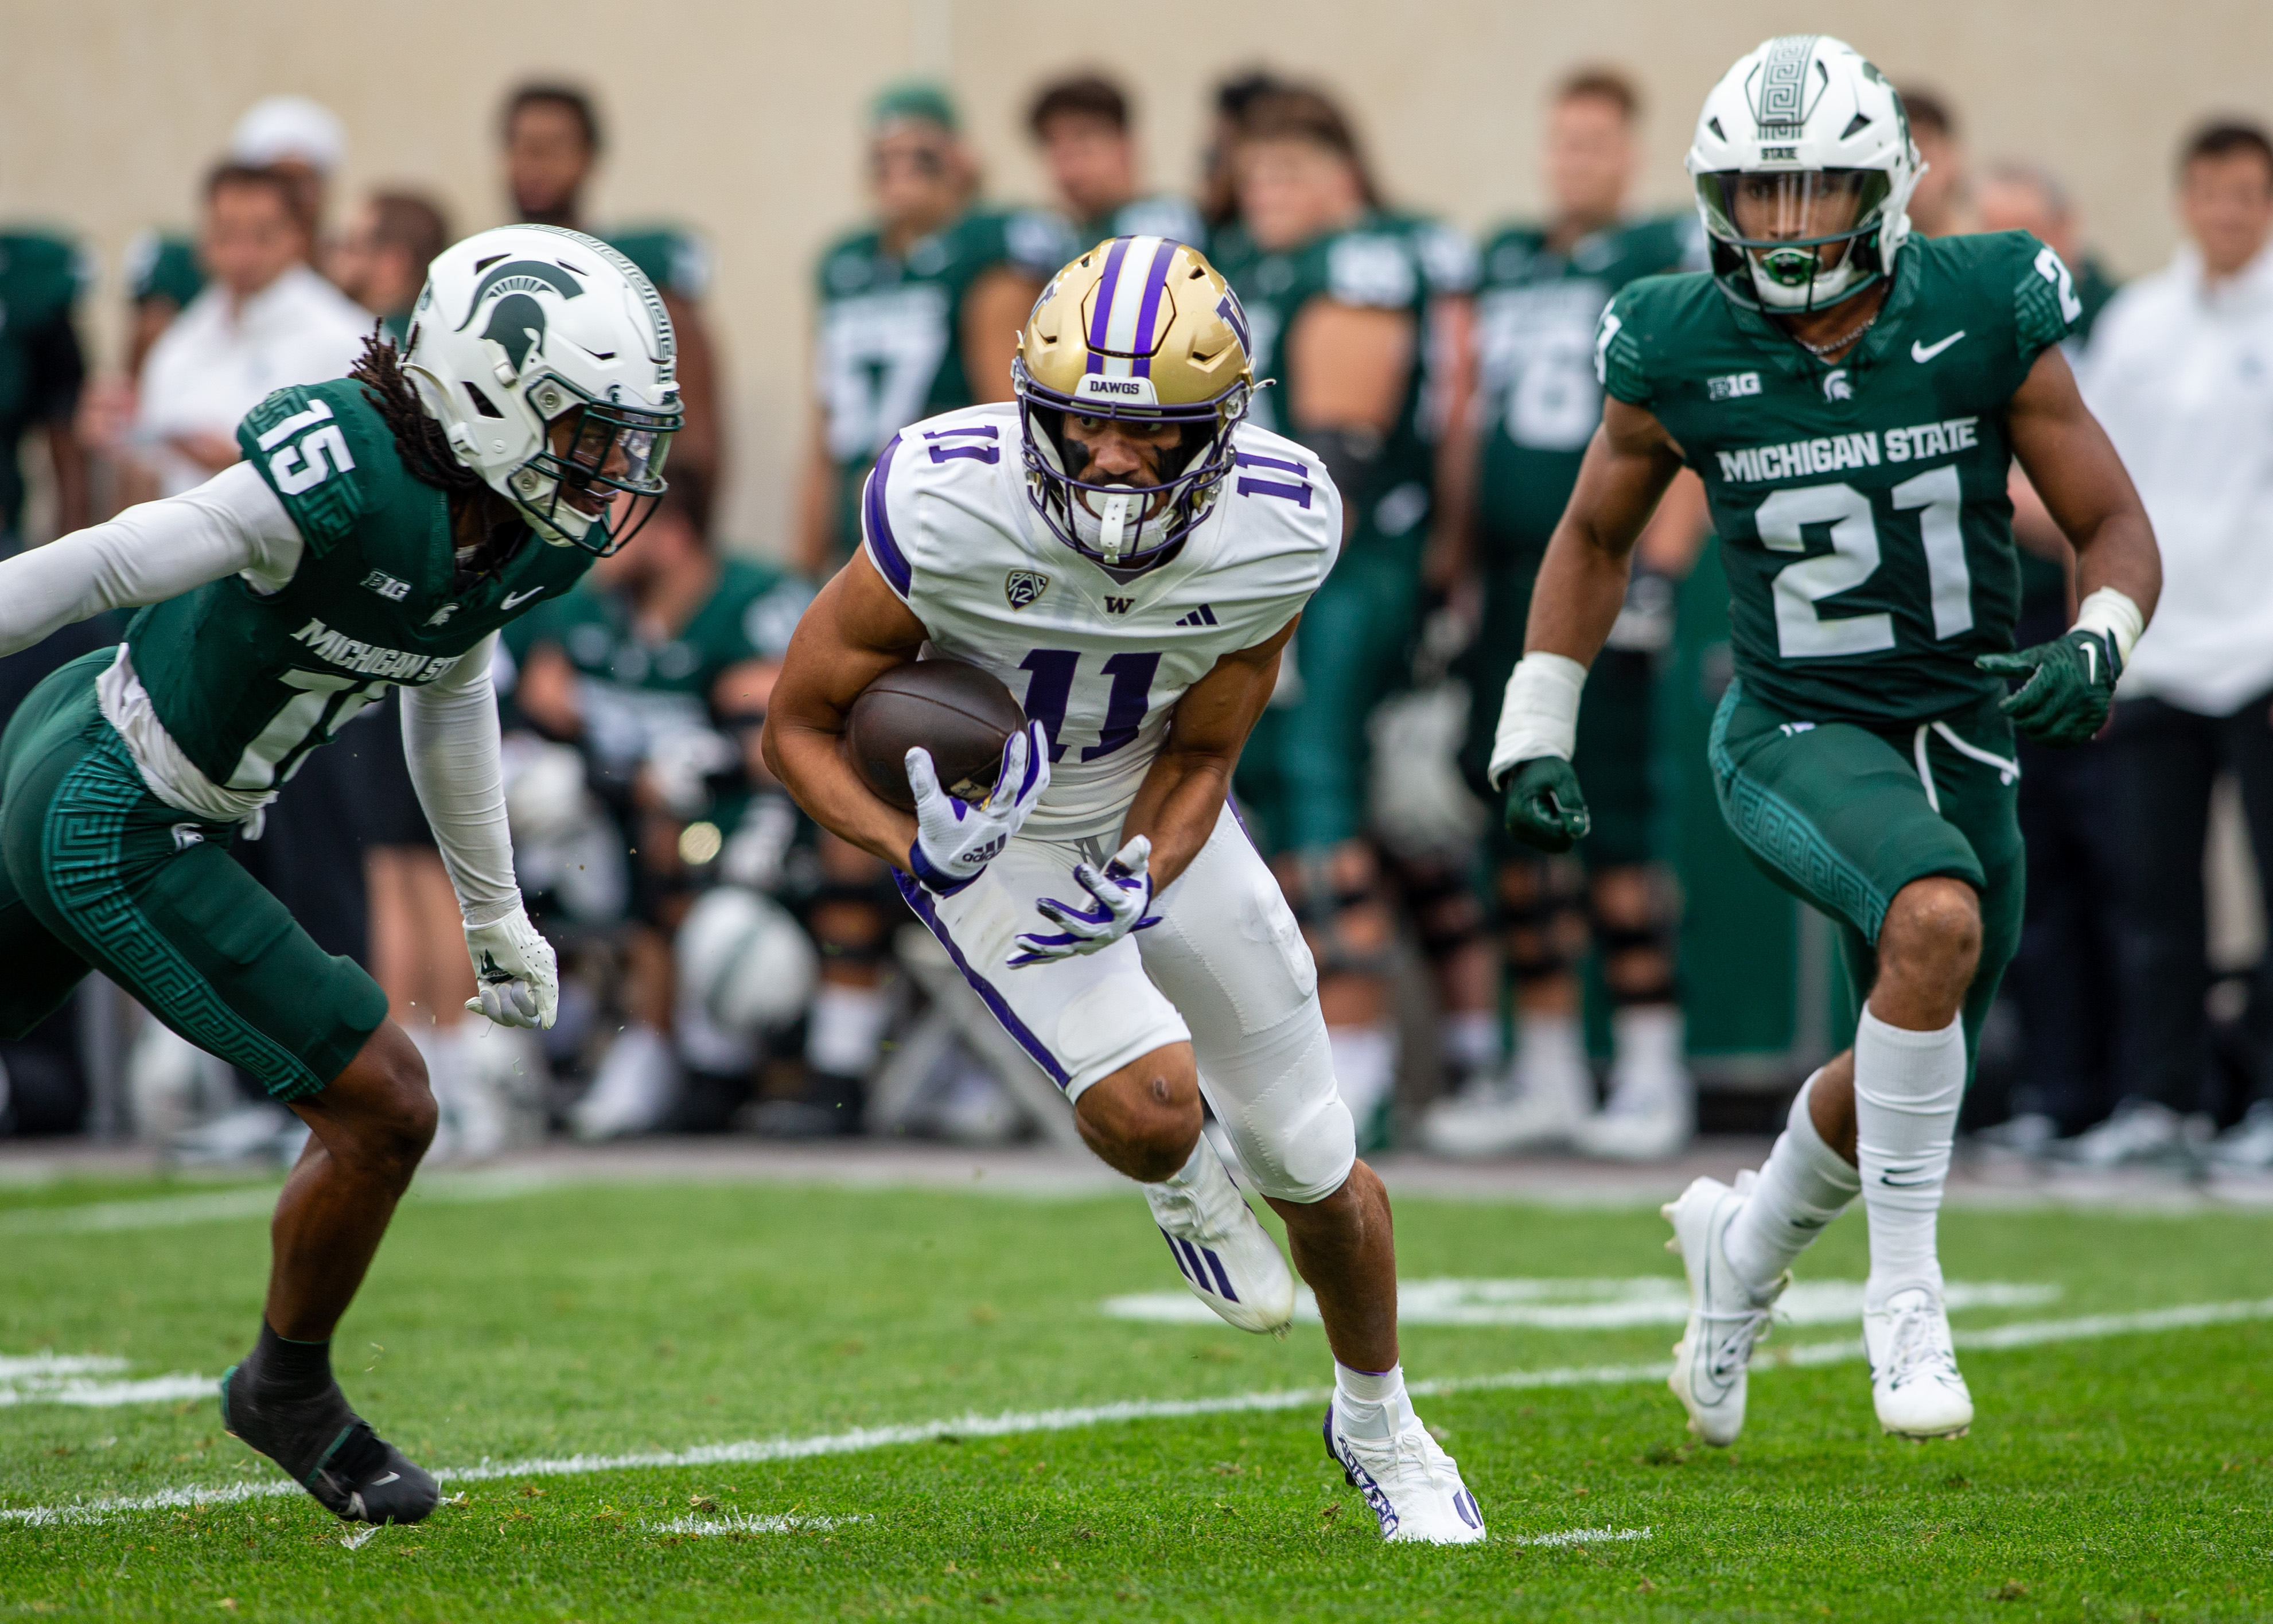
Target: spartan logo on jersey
{"x":517,"y":321}
{"x":1835,"y":387}
{"x":1023,"y":586}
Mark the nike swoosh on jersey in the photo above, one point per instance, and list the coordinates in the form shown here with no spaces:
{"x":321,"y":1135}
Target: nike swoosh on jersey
{"x":1923,"y":353}
{"x":521,"y":597}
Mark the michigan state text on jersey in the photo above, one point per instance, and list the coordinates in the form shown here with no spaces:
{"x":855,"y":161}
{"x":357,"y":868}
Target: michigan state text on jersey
{"x":1130,"y":556}
{"x":379,"y":530}
{"x":1852,"y":400}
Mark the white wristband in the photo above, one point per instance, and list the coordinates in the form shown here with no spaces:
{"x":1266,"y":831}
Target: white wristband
{"x":2115,"y":617}
{"x":1540,"y":714}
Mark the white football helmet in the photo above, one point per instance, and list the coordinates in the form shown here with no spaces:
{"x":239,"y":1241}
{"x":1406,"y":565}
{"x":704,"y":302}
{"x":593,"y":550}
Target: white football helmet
{"x":1803,"y":166}
{"x":745,"y":961}
{"x":521,"y":326}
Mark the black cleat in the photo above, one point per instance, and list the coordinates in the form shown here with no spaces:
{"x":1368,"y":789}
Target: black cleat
{"x":330,"y":1451}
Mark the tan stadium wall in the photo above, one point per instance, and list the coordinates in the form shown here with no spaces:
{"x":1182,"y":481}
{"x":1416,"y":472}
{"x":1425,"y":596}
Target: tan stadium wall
{"x":743,"y":120}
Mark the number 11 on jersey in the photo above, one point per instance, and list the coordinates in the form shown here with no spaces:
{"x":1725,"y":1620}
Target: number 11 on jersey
{"x":1049,"y":694}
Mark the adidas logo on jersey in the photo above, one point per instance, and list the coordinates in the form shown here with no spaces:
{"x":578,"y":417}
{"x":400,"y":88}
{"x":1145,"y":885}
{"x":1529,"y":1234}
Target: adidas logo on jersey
{"x":1119,"y":606}
{"x":1201,"y":616}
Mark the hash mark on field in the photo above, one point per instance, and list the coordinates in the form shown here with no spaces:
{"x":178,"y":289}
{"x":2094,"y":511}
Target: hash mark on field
{"x":740,"y":1523}
{"x":2187,"y":1316}
{"x":1582,"y":1537}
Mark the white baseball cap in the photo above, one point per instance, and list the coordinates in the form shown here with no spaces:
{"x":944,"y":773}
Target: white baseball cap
{"x":278,"y":129}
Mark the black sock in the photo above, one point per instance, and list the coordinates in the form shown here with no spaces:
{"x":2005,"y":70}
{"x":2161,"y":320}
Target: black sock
{"x":286,"y":1371}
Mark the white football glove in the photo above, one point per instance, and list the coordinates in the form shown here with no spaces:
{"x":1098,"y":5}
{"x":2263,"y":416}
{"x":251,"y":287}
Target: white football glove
{"x":519,"y":981}
{"x":1122,"y":890}
{"x":955,"y":840}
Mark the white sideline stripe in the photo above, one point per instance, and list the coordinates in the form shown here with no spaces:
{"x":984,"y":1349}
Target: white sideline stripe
{"x":110,"y":1395}
{"x":167,"y":1212}
{"x":1011,"y":1424}
{"x":739,"y":1523}
{"x":1582,"y":1537}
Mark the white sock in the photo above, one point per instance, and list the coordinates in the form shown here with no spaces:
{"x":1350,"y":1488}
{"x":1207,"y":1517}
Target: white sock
{"x":1469,"y":1041}
{"x":1365,"y":1067}
{"x":1649,"y":1049}
{"x":1804,"y":1184}
{"x":845,"y":1028}
{"x":1907,"y":1087}
{"x":1550,"y":1054}
{"x":1371,"y":1404}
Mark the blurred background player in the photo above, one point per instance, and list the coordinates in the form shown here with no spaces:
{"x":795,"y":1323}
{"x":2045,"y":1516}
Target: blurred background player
{"x":1219,"y":201}
{"x":1081,"y":126}
{"x":2179,"y":368}
{"x":919,"y":313}
{"x":2064,"y":983}
{"x":1942,"y":205}
{"x":552,"y":145}
{"x":1337,"y":298}
{"x":42,"y":370}
{"x":1544,"y":289}
{"x":652,"y":671}
{"x":381,"y":259}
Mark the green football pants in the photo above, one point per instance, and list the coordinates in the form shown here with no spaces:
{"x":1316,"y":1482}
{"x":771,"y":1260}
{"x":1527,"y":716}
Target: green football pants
{"x":1843,"y":817}
{"x":97,"y":872}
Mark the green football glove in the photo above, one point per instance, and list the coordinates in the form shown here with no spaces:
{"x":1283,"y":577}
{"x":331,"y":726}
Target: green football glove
{"x":2070,"y":683}
{"x":1544,"y":805}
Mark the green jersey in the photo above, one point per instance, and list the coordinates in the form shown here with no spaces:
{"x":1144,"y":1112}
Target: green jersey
{"x":1537,"y":397}
{"x":635,"y":691}
{"x":674,"y":260}
{"x":40,"y":364}
{"x":246,"y":684}
{"x":1377,"y":264}
{"x":888,"y":350}
{"x":1860,"y":506}
{"x":2044,"y":581}
{"x":1169,"y":214}
{"x":161,"y":265}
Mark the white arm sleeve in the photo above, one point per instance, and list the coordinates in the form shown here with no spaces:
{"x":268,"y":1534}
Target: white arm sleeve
{"x":232,"y":524}
{"x":450,"y":740}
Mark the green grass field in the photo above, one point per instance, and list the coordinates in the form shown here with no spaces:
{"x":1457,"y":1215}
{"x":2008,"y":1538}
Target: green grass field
{"x":2121,"y":1476}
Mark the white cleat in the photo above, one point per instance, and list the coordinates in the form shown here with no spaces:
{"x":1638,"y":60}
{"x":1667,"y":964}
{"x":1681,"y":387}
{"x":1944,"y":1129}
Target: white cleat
{"x":1412,"y":1486}
{"x":1639,"y":1124}
{"x":1527,"y":1110}
{"x":1915,"y":1386}
{"x":1725,"y":1317}
{"x":637,"y":1085}
{"x":1225,"y":1256}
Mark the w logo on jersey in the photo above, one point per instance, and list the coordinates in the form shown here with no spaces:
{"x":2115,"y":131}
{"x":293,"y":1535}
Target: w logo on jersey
{"x":1118,"y":606}
{"x":1023,"y":586}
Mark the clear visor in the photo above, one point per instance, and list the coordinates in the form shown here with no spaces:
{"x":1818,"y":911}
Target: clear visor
{"x":1780,"y":218}
{"x":617,"y":449}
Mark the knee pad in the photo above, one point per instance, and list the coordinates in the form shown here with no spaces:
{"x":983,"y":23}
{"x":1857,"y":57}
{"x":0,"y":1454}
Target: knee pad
{"x":1534,"y":927}
{"x":1446,"y":913}
{"x":1276,"y":1098}
{"x":1660,"y":986}
{"x":1321,"y":907}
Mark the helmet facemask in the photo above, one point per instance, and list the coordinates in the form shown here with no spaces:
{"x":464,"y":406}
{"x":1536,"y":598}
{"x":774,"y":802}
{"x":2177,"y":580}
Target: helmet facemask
{"x":1123,"y":527}
{"x":1806,"y":239}
{"x":612,"y":461}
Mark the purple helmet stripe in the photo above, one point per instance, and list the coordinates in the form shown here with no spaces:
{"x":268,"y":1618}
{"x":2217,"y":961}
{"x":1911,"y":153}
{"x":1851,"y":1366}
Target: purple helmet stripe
{"x":1101,"y":318}
{"x":1156,"y":283}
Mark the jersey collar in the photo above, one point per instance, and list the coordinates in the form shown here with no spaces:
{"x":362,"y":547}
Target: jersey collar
{"x":1794,"y":361}
{"x":1088,"y":578}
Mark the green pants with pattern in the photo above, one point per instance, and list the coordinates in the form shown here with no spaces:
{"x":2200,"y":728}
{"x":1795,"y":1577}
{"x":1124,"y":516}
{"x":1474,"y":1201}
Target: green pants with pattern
{"x":1843,"y":817}
{"x":98,"y":873}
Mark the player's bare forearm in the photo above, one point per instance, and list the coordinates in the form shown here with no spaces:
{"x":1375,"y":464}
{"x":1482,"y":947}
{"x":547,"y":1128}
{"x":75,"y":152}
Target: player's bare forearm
{"x":992,"y":311}
{"x":855,"y":632}
{"x":1182,"y":795}
{"x":2084,"y":486}
{"x":1459,"y":450}
{"x":816,"y":513}
{"x":1582,"y":580}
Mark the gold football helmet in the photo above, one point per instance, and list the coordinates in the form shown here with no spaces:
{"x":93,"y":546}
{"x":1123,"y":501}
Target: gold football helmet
{"x":1141,"y":328}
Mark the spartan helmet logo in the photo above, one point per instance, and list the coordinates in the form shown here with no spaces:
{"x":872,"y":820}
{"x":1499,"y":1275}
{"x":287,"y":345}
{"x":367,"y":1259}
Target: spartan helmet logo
{"x":516,"y":321}
{"x":1835,"y":387}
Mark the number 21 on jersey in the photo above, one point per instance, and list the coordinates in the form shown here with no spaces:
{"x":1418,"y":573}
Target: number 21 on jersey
{"x":1801,"y":633}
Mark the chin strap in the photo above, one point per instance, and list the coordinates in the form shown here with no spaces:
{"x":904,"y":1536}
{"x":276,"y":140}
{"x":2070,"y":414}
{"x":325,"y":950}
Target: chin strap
{"x":1113,"y":526}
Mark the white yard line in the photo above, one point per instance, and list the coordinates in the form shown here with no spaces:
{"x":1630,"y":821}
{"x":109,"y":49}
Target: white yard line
{"x":1582,"y":1537}
{"x":1015,"y":1423}
{"x":167,"y":1212}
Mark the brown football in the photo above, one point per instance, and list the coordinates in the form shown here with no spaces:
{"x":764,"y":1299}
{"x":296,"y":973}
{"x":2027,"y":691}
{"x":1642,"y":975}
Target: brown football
{"x":961,"y":714}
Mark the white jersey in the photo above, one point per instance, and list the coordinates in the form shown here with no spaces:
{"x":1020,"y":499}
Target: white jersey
{"x":1099,"y":662}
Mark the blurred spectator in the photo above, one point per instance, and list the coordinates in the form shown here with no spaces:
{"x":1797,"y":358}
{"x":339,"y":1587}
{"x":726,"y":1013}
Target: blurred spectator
{"x":655,"y":672}
{"x":552,"y":145}
{"x":265,"y":320}
{"x":1939,"y":204}
{"x":2181,"y":371}
{"x":42,"y":371}
{"x":918,"y":314}
{"x":1219,"y":164}
{"x":1544,"y":289}
{"x":2063,"y":980}
{"x":1082,"y":125}
{"x":381,"y":259}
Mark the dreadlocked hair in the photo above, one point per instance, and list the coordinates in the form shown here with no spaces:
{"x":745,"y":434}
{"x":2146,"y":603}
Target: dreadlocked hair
{"x":417,"y":436}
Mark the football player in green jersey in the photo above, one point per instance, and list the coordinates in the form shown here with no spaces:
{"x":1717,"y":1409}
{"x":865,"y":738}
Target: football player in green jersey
{"x":1081,"y":124}
{"x":1337,"y":298}
{"x":654,"y":669}
{"x":918,"y":314}
{"x":379,"y":530}
{"x":1543,"y":289}
{"x":381,"y":260}
{"x":552,"y":145}
{"x":42,"y":368}
{"x":1853,"y":401}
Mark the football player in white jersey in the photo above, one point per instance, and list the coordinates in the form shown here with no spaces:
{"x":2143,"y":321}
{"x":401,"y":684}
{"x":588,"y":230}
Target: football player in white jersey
{"x":1128,"y":554}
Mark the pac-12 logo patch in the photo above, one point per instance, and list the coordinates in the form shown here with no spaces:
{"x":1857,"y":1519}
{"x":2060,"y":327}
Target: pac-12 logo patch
{"x":1023,"y":586}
